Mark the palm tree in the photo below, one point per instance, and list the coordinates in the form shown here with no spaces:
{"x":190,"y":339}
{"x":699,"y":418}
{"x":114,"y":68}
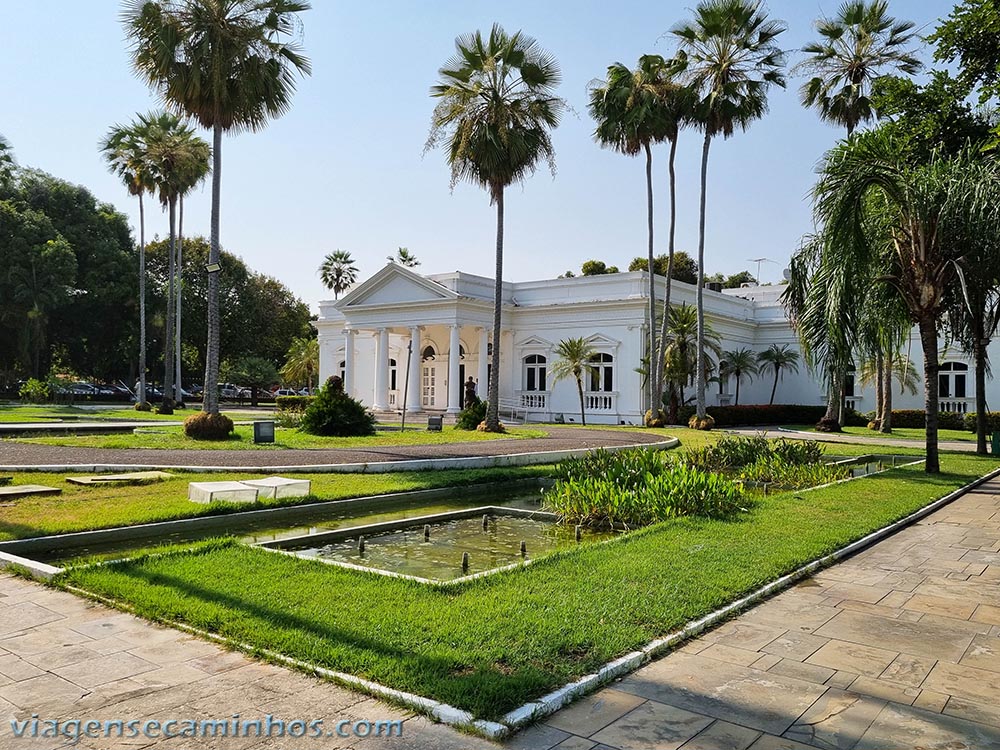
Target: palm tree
{"x":301,"y":362}
{"x":404,"y":257}
{"x":862,"y":43}
{"x":7,"y":162}
{"x":778,"y":357}
{"x":574,"y":359}
{"x":176,"y":156}
{"x":630,"y":118}
{"x":229,"y":64}
{"x":933,"y":210}
{"x":338,"y":272}
{"x":739,"y":363}
{"x":680,"y":352}
{"x":496,"y":110}
{"x":126,"y":153}
{"x":731,"y":59}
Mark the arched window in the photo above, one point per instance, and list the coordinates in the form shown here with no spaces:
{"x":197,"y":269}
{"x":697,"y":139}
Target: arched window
{"x":392,"y":374}
{"x":343,"y":370}
{"x":952,"y":380}
{"x":428,"y":353}
{"x":534,"y":372}
{"x":602,"y":373}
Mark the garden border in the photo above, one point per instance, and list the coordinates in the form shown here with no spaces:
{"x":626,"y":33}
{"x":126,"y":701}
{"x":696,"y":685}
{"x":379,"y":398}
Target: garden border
{"x":553,"y":701}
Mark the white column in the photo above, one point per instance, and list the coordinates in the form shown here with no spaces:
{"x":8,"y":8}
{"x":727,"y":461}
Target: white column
{"x":348,"y":361}
{"x":483,"y":390}
{"x":454,"y":379}
{"x":413,"y":401}
{"x":381,"y":400}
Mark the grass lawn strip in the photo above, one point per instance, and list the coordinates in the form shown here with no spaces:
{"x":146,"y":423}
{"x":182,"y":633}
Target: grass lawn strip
{"x":173,"y":438}
{"x":491,"y":645}
{"x":43,"y":414}
{"x":916,"y":434}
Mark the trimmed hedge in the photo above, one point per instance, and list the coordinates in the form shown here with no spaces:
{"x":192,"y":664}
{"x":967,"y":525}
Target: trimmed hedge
{"x":917,"y":418}
{"x":293,"y":403}
{"x":764,"y":414}
{"x":992,"y":421}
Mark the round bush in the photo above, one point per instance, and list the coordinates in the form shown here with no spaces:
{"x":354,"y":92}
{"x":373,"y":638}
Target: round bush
{"x":701,"y":424}
{"x":142,"y":407}
{"x":205,"y":426}
{"x":471,"y":416}
{"x":335,"y":414}
{"x":828,"y":425}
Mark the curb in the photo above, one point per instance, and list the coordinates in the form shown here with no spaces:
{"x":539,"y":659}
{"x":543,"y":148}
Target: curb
{"x":376,"y":467}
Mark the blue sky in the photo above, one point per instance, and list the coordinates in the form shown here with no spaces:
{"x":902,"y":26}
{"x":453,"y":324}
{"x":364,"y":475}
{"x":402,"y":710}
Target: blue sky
{"x":345,"y":169}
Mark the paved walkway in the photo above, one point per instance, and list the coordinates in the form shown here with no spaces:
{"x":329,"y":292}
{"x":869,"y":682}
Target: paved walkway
{"x":557,"y":439}
{"x":897,"y":648}
{"x":835,"y":437}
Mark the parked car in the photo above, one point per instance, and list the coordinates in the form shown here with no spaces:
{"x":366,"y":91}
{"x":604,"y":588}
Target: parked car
{"x":285,"y":392}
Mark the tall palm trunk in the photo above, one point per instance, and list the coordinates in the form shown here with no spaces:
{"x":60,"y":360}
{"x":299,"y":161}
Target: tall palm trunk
{"x":210,"y":397}
{"x":886,"y":424}
{"x":659,"y":364}
{"x":879,"y":380}
{"x":701,"y":359}
{"x":168,"y":353}
{"x":141,"y":395}
{"x":738,"y":379}
{"x":493,"y":408}
{"x":652,"y":381}
{"x":583,"y":410}
{"x":981,"y":414}
{"x":774,"y":387}
{"x":177,"y":310}
{"x":929,"y":341}
{"x":834,"y":397}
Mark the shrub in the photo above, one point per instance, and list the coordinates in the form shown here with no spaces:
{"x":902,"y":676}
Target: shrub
{"x":142,"y":407}
{"x":699,"y":423}
{"x":738,"y":451}
{"x":205,"y":426}
{"x":334,"y":413}
{"x":288,"y":418}
{"x":764,"y":414}
{"x":636,"y":488}
{"x":293,"y":403}
{"x":800,"y":452}
{"x":828,"y":424}
{"x":471,"y":416}
{"x":785,"y":475}
{"x":992,"y":421}
{"x":918,"y":418}
{"x":34,"y":391}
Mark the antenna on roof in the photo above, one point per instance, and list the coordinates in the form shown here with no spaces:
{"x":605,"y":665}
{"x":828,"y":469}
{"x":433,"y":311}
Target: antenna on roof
{"x":758,"y":261}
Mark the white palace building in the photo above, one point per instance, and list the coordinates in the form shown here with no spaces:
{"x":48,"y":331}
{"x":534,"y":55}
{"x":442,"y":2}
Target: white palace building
{"x":366,"y":336}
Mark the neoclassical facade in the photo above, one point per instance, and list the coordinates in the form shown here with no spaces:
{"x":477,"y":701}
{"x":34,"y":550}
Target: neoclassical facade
{"x":402,"y":338}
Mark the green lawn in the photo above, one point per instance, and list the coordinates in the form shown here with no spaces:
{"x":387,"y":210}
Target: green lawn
{"x":173,"y":438}
{"x":489,"y":645}
{"x":81,"y":508}
{"x":900,"y":433}
{"x":54,"y":413}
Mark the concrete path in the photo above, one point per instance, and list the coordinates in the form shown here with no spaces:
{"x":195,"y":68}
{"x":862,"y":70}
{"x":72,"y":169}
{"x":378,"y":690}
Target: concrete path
{"x":896,"y":648}
{"x":62,"y":657}
{"x":833,"y":437}
{"x":557,"y":439}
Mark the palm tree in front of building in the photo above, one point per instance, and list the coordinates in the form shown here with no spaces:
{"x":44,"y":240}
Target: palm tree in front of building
{"x":741,"y":364}
{"x":231,"y":65}
{"x":338,"y":272}
{"x":301,"y":362}
{"x":574,"y":361}
{"x":731,"y":59}
{"x":778,"y":358}
{"x":680,"y":356}
{"x":404,"y":258}
{"x":496,"y":110}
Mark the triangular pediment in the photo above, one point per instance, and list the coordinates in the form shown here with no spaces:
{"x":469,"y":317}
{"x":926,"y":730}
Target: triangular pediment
{"x":535,"y":342}
{"x":600,"y":341}
{"x":395,"y":285}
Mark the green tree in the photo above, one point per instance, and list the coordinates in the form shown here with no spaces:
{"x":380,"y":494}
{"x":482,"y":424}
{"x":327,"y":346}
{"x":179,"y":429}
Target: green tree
{"x":256,"y":373}
{"x":739,"y":363}
{"x":932,"y":211}
{"x":125,"y":150}
{"x":496,"y":110}
{"x":404,"y":257}
{"x":731,"y":59}
{"x":778,"y":358}
{"x":7,"y":163}
{"x":229,"y":64}
{"x":681,"y":353}
{"x":596,"y":268}
{"x":574,"y":359}
{"x":338,"y":272}
{"x":177,"y":160}
{"x":862,"y":43}
{"x":301,"y":363}
{"x":685,"y":268}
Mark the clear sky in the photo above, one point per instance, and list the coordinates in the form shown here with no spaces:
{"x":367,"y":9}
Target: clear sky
{"x":345,"y":169}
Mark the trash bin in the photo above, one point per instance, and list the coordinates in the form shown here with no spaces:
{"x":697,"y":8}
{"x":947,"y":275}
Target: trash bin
{"x":995,"y":443}
{"x":263,"y":432}
{"x":434,"y":424}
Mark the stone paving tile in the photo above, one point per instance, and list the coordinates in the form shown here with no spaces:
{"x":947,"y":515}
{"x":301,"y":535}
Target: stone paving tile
{"x":744,"y":634}
{"x":798,"y":614}
{"x":979,"y":712}
{"x":969,"y":683}
{"x":918,"y":639}
{"x":837,"y":720}
{"x":931,"y":701}
{"x":103,"y":669}
{"x":983,"y":653}
{"x":936,"y":605}
{"x":745,"y":696}
{"x":802,"y":671}
{"x":907,"y":728}
{"x":853,"y":657}
{"x":842,"y":679}
{"x":593,"y":713}
{"x":653,"y":725}
{"x":733,"y":655}
{"x":795,"y":645}
{"x":986,"y":614}
{"x":722,"y":735}
{"x":909,"y":671}
{"x":885,"y":690}
{"x":770,"y":742}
